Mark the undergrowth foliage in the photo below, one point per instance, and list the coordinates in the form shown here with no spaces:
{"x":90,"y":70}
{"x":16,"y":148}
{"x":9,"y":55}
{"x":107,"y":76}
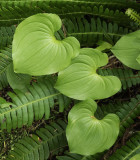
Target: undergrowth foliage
{"x":69,"y":79}
{"x":90,"y":31}
{"x":5,"y":61}
{"x":16,"y":11}
{"x":128,"y":151}
{"x":32,"y":105}
{"x":47,"y":141}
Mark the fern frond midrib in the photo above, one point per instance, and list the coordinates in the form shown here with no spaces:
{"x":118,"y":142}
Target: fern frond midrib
{"x":129,"y":113}
{"x":47,"y":141}
{"x":2,"y":71}
{"x":8,"y":20}
{"x":71,"y":1}
{"x":58,"y":148}
{"x":56,"y":136}
{"x":18,"y":107}
{"x":133,"y":151}
{"x":133,"y":15}
{"x":129,"y":78}
{"x":87,"y":13}
{"x":5,"y":59}
{"x":67,"y":13}
{"x":99,"y":33}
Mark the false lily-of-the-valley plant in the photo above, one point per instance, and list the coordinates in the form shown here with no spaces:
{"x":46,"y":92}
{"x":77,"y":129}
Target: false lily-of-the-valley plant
{"x":49,"y":69}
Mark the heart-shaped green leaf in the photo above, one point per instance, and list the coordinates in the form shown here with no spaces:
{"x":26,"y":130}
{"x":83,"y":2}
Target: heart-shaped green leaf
{"x":87,"y":135}
{"x":80,"y":80}
{"x":127,"y":49}
{"x":17,"y":81}
{"x":35,"y":49}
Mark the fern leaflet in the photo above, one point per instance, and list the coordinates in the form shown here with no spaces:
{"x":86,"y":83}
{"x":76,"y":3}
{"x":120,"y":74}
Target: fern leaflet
{"x":133,"y":15}
{"x":32,"y":105}
{"x":13,"y":12}
{"x":5,"y":61}
{"x":127,"y":77}
{"x":89,"y":32}
{"x":127,"y":112}
{"x":47,"y":141}
{"x":6,"y":36}
{"x":131,"y":148}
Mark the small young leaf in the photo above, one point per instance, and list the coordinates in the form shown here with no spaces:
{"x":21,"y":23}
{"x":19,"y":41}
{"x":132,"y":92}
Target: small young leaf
{"x":87,"y":135}
{"x":127,"y":50}
{"x":36,"y":51}
{"x":80,"y":80}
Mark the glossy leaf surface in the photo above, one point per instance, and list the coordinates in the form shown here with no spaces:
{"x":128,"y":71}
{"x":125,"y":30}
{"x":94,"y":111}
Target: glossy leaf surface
{"x":87,"y":135}
{"x":80,"y":80}
{"x":36,"y":51}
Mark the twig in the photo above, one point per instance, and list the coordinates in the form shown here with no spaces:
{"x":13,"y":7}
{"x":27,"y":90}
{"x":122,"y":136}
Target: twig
{"x":127,"y":132}
{"x":123,"y":141}
{"x":64,"y":30}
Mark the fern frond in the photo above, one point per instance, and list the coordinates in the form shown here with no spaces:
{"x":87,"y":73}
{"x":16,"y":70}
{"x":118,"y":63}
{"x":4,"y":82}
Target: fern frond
{"x":47,"y":141}
{"x":16,"y":11}
{"x":103,"y":110}
{"x":127,"y":151}
{"x":67,"y":11}
{"x":127,"y":112}
{"x":89,"y":32}
{"x":133,"y":15}
{"x":7,"y":74}
{"x":6,"y":36}
{"x":32,"y":105}
{"x":71,"y":156}
{"x":127,"y":77}
{"x":5,"y":61}
{"x":121,"y":4}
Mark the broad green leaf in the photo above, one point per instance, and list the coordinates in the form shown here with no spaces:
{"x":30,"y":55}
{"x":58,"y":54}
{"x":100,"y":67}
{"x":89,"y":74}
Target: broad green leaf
{"x":15,"y":80}
{"x":127,"y":49}
{"x":80,"y":80}
{"x":136,"y":157}
{"x":35,"y":49}
{"x":87,"y":135}
{"x":138,"y":59}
